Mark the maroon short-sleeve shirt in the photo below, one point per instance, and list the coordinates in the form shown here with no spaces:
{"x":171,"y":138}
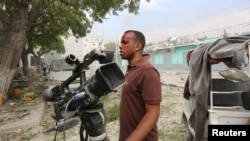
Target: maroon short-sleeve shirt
{"x":142,"y":86}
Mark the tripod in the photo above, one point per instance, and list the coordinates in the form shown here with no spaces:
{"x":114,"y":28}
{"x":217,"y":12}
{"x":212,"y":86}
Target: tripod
{"x":93,"y":123}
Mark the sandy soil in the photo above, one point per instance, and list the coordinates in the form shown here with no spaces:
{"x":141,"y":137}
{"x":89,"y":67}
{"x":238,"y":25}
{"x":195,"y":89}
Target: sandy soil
{"x":170,"y":126}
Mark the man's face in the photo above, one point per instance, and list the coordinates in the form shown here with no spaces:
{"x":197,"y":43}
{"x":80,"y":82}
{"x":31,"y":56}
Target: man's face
{"x":127,"y":46}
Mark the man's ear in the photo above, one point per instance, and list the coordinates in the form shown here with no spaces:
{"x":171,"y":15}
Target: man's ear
{"x":138,"y":46}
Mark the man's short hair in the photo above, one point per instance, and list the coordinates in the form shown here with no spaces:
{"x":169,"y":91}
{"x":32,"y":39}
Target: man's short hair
{"x":139,"y":36}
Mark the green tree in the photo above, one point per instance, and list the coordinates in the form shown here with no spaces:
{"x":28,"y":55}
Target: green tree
{"x":19,"y":19}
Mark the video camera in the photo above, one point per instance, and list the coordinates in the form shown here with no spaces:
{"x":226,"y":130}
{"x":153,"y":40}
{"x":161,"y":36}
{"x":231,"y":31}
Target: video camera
{"x":71,"y":106}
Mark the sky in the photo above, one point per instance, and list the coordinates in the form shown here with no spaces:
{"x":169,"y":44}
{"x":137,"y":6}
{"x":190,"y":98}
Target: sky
{"x":160,"y":19}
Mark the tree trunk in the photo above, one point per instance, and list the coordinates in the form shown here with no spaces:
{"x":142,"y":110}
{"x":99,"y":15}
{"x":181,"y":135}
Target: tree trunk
{"x":12,"y":42}
{"x":38,"y":63}
{"x":25,"y":63}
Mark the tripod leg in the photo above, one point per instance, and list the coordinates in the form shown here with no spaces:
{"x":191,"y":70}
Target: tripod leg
{"x":55,"y":136}
{"x":82,"y":129}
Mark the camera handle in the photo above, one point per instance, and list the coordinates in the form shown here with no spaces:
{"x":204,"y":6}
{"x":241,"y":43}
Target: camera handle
{"x":94,"y":124}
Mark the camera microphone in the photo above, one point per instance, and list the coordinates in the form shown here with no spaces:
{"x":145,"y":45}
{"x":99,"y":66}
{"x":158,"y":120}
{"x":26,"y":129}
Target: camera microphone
{"x":64,"y":125}
{"x":46,"y":95}
{"x":51,"y":93}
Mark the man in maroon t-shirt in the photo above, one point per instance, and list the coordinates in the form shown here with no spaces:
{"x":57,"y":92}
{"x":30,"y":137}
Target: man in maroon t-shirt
{"x":141,"y":94}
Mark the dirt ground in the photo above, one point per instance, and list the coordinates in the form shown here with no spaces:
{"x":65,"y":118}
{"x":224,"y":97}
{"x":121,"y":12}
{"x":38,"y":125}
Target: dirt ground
{"x":23,"y":121}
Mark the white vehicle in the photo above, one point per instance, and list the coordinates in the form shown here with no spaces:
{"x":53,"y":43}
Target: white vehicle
{"x":59,"y":71}
{"x":211,"y":99}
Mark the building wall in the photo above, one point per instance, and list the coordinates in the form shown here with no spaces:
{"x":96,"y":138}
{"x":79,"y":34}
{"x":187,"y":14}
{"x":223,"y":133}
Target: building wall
{"x":175,"y":58}
{"x":171,"y":58}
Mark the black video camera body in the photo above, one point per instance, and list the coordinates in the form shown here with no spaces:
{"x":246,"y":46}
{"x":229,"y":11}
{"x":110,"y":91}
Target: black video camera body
{"x":84,"y":100}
